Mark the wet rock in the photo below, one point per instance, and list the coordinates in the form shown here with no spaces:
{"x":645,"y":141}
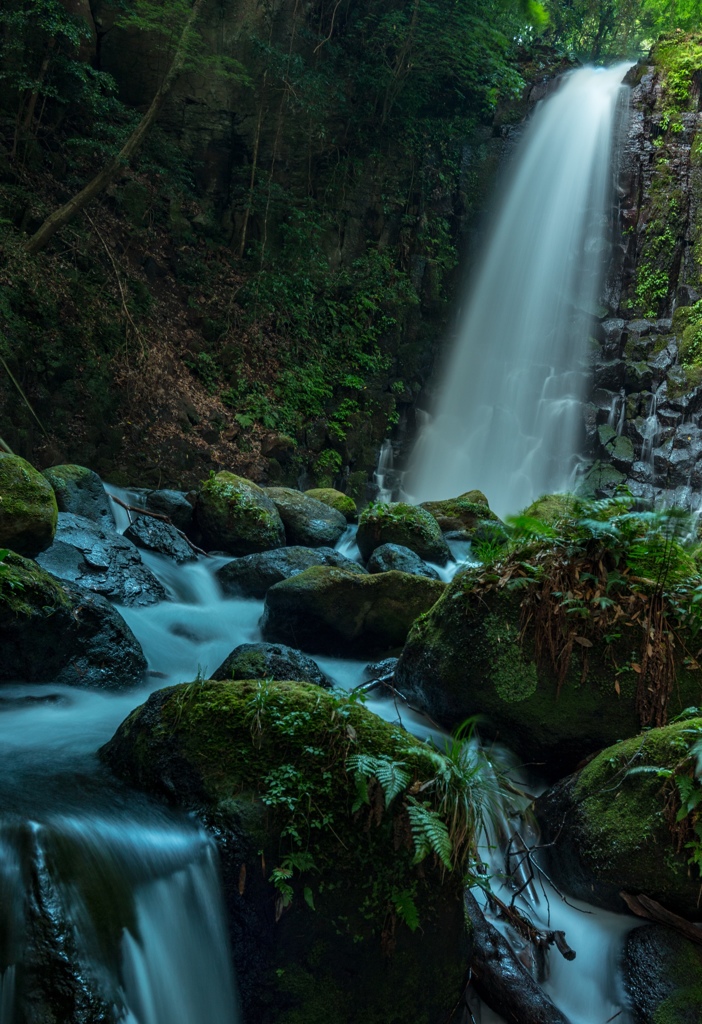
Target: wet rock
{"x":376,"y":669}
{"x":252,"y":759}
{"x":100,"y":560}
{"x":686,"y":295}
{"x":335,"y":499}
{"x":602,"y":480}
{"x":617,"y":447}
{"x":28,"y":509}
{"x":609,"y":828}
{"x":53,"y":631}
{"x":640,"y":327}
{"x":461,"y":516}
{"x":173,"y":504}
{"x":254,"y":575}
{"x":307,"y":522}
{"x":271,"y":661}
{"x":328,"y":610}
{"x":663,"y":976}
{"x":80,"y":491}
{"x":155,"y":535}
{"x":612,"y":331}
{"x":610,"y":375}
{"x":639,"y":376}
{"x":393,"y":556}
{"x":399,"y":523}
{"x":237,"y":516}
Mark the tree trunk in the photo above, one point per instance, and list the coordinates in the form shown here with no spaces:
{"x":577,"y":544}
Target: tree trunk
{"x":65,"y":214}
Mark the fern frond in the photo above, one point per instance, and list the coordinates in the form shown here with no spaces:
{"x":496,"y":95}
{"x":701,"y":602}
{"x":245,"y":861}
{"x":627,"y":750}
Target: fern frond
{"x":429,"y":832}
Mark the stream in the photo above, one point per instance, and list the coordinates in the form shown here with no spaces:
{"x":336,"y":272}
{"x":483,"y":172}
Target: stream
{"x":135,"y":886}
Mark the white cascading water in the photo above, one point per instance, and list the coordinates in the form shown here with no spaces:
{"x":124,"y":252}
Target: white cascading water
{"x":509,"y":413}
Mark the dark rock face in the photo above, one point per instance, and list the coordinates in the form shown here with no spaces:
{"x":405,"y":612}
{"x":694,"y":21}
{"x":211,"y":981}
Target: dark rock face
{"x":663,"y":976}
{"x":173,"y":504}
{"x":164,"y":539}
{"x":52,"y":631}
{"x":254,"y":575}
{"x":393,"y":556}
{"x":80,"y":491}
{"x":102,"y":561}
{"x":271,"y":661}
{"x":647,"y":373}
{"x":307,"y":521}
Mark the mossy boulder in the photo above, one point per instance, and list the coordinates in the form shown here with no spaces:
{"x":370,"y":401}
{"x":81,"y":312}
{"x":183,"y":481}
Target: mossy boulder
{"x":271,"y":661}
{"x":462,"y":515}
{"x":236,"y":515}
{"x":265,"y":766}
{"x":307,"y":521}
{"x":553,"y":509}
{"x":28,"y":509}
{"x":80,"y":490}
{"x":343,"y":503}
{"x":663,"y":976}
{"x":254,"y":575}
{"x":334,"y":611}
{"x":399,"y":523}
{"x":472,"y":654}
{"x":52,"y":631}
{"x":610,"y":827}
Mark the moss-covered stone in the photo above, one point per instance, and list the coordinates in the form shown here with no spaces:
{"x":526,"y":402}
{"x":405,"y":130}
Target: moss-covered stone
{"x":307,"y":521}
{"x":343,"y":503}
{"x":611,"y":825}
{"x":265,"y":765}
{"x":28,"y":509}
{"x":236,"y":515}
{"x":51,"y":631}
{"x":271,"y":661}
{"x":553,"y":509}
{"x":326,"y":609}
{"x":470,"y":654}
{"x":462,"y":515}
{"x":399,"y":523}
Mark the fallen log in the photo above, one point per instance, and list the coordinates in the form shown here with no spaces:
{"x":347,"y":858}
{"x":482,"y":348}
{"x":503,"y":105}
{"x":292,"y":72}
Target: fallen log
{"x":501,"y":980}
{"x":644,"y":906}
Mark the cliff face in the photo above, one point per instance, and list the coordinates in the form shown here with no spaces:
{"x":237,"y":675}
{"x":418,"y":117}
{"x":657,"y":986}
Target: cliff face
{"x":643,"y":423}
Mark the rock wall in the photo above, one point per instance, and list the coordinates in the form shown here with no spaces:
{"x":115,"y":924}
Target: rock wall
{"x":642,"y":424}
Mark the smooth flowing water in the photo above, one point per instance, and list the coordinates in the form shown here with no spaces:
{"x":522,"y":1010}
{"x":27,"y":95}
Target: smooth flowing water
{"x":164,"y":957}
{"x":508,"y":418}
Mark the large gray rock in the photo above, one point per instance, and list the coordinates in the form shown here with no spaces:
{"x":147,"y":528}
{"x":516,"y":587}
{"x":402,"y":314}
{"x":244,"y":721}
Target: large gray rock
{"x":271,"y":661}
{"x":155,"y":535}
{"x":80,"y":491}
{"x":173,"y":504}
{"x":28,"y":508}
{"x":102,"y":561}
{"x":53,"y":631}
{"x":307,"y":521}
{"x":254,"y":575}
{"x":394,"y":556}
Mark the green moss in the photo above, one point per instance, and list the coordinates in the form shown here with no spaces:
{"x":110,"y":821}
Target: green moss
{"x":335,"y":499}
{"x":28,"y":509}
{"x":400,"y":523}
{"x":26,"y":589}
{"x":234,"y":513}
{"x":553,"y":508}
{"x":622,"y":804}
{"x":514,"y":678}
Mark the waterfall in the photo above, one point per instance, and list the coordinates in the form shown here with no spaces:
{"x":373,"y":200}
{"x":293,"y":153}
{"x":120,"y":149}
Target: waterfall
{"x":134,"y":905}
{"x":509,"y":414}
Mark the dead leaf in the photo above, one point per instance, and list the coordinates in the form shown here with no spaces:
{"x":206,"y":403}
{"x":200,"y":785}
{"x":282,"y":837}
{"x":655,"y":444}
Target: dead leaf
{"x":242,"y":879}
{"x":617,"y":688}
{"x":583,"y":641}
{"x":636,"y":668}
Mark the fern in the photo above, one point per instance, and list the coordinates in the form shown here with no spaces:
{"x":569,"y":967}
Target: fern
{"x":406,"y":908}
{"x":429,"y":832}
{"x":392,"y":776}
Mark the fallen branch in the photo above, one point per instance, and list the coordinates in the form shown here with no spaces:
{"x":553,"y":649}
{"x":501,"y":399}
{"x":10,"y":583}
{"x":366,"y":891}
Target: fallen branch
{"x":158,"y":515}
{"x":644,"y":906}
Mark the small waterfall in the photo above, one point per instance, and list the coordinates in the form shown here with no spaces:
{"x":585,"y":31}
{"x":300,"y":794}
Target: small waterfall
{"x":509,"y":416}
{"x":134,"y":906}
{"x":650,"y":431}
{"x":617,"y":412}
{"x":385,"y":476}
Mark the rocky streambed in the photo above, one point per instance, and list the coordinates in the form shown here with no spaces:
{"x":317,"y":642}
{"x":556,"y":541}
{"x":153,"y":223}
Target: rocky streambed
{"x":246,"y":682}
